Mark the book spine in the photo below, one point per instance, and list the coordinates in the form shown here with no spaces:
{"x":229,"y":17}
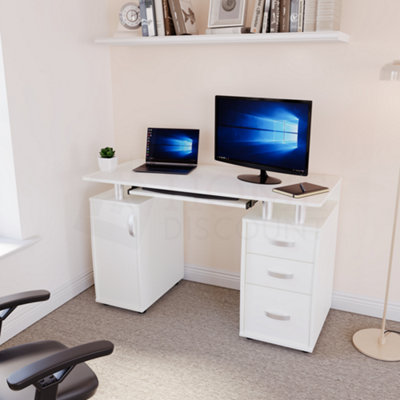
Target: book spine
{"x":300,"y":21}
{"x":143,"y":17}
{"x":159,"y":17}
{"x":294,"y":15}
{"x":310,"y":15}
{"x":275,"y":13}
{"x":284,"y":19}
{"x":257,"y":17}
{"x":151,"y":17}
{"x":177,"y":17}
{"x":328,"y":15}
{"x":168,"y":23}
{"x":265,"y":24}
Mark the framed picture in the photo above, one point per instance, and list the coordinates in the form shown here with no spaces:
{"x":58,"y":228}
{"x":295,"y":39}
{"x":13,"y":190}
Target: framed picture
{"x":225,"y":13}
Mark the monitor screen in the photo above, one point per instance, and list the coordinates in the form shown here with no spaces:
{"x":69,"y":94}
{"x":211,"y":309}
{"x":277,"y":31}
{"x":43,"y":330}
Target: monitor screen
{"x":267,"y":134}
{"x":172,"y":145}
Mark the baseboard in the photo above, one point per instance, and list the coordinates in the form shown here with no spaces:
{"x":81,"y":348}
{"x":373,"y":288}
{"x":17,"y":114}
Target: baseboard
{"x":25,"y":316}
{"x":340,"y":301}
{"x":211,"y":276}
{"x":365,"y":306}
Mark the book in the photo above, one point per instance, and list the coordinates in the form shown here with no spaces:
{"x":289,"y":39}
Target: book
{"x":256,"y":21}
{"x":265,"y":24}
{"x":296,"y":15}
{"x":147,"y":14}
{"x":300,"y":20}
{"x":284,"y":17}
{"x":310,"y":15}
{"x":159,"y":17}
{"x":168,"y":22}
{"x":183,"y":17}
{"x":227,"y":30}
{"x":328,"y":15}
{"x":274,"y":16}
{"x":299,"y":190}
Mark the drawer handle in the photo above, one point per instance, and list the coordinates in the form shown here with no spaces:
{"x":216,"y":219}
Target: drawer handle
{"x":279,"y":317}
{"x":280,"y":275}
{"x":131,"y":222}
{"x":282,"y":243}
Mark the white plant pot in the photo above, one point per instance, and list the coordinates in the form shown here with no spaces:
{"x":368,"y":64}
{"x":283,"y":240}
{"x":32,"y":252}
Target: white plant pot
{"x":107,"y":164}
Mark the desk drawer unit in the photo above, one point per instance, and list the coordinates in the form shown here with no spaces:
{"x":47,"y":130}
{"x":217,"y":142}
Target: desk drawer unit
{"x":286,"y":279}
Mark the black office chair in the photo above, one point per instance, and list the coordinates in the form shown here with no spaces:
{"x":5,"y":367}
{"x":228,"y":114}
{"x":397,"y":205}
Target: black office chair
{"x":46,"y":370}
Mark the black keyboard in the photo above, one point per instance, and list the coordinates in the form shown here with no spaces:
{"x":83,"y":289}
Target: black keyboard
{"x":190,"y":194}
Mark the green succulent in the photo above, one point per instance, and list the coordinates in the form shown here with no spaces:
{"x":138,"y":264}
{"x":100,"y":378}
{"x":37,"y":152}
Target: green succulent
{"x":107,"y":152}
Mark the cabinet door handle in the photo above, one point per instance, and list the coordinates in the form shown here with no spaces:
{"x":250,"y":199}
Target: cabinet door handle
{"x":282,"y":243}
{"x":131,"y":225}
{"x":279,"y":317}
{"x":280,"y":275}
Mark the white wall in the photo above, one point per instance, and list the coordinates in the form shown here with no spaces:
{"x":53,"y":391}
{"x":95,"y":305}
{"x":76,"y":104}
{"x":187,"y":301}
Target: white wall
{"x":355,"y":130}
{"x":59,"y":97}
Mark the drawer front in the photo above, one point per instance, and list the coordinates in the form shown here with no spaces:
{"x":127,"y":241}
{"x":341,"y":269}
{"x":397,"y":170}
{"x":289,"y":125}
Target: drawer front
{"x":279,"y":273}
{"x":276,"y":316}
{"x":281,"y":240}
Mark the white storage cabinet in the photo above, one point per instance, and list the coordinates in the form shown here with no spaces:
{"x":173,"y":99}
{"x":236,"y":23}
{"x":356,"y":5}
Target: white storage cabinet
{"x":287,"y":274}
{"x":137,"y":246}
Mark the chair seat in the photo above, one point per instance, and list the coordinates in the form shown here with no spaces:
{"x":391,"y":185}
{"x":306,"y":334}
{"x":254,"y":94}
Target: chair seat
{"x":80,"y":384}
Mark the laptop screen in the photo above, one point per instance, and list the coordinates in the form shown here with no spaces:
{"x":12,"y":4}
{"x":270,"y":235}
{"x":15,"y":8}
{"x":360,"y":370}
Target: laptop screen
{"x":172,"y":145}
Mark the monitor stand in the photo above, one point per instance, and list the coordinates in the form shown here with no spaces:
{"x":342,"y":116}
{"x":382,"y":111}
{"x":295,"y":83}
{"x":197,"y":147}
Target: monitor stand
{"x":263,"y":178}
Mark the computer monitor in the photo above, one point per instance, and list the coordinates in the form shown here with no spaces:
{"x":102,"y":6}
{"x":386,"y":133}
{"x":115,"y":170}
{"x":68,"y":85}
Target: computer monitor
{"x":267,"y":134}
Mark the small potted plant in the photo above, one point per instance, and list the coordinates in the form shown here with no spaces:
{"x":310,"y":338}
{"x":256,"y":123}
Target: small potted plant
{"x":107,"y":160}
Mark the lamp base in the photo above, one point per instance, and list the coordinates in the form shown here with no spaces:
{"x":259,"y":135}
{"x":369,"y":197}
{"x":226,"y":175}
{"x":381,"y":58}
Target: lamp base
{"x":366,"y":341}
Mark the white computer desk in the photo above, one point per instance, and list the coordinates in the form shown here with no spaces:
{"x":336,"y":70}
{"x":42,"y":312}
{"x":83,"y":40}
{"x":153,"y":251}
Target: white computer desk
{"x":220,"y":180}
{"x":287,"y":256}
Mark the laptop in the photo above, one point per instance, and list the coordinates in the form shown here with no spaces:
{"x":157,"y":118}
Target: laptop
{"x":170,"y":151}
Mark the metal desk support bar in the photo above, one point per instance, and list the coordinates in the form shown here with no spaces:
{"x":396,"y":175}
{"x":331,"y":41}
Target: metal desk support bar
{"x":119,"y":191}
{"x":267,"y":207}
{"x":300,"y":214}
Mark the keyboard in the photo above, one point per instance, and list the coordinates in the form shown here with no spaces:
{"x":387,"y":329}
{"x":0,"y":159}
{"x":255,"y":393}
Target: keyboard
{"x":190,"y":194}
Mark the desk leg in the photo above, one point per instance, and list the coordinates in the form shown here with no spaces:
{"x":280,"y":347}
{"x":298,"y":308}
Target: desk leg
{"x":119,"y":191}
{"x":267,"y":209}
{"x":300,"y":214}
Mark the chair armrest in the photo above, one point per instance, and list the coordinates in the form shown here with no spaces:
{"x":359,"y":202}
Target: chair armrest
{"x":14,"y":300}
{"x":63,"y":361}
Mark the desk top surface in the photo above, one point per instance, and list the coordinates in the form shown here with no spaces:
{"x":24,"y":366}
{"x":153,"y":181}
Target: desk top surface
{"x":220,"y":180}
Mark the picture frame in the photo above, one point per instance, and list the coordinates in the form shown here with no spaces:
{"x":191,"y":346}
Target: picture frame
{"x":225,"y":13}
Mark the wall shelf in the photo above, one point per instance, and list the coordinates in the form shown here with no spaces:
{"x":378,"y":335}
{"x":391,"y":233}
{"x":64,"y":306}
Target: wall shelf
{"x":293,"y":37}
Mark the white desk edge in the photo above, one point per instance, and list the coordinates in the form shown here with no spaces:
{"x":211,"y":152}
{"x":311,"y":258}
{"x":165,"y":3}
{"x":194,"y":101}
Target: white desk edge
{"x":220,"y":180}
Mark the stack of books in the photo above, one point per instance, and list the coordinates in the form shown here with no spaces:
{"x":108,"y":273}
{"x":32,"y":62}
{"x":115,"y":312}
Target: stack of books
{"x":295,"y":15}
{"x":167,"y":17}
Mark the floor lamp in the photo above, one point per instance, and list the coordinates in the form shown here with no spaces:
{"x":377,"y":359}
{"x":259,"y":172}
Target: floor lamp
{"x":383,"y":344}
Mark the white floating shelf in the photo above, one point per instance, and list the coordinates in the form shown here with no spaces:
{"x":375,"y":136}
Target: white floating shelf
{"x":292,"y":37}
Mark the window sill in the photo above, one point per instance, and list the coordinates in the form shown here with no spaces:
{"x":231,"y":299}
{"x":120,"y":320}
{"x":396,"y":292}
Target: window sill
{"x":9,"y":246}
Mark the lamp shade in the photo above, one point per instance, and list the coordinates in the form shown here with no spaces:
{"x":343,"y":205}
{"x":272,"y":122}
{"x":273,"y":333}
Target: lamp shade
{"x":391,"y":72}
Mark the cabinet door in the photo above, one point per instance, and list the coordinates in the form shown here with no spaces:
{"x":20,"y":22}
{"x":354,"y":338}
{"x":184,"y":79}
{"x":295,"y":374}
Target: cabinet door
{"x":115,"y":259}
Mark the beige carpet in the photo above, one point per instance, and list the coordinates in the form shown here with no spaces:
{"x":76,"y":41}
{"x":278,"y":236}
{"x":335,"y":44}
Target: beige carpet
{"x":186,"y":346}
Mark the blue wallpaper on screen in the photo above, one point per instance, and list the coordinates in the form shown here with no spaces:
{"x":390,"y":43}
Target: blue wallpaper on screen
{"x":173,"y":145}
{"x":268,"y":132}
